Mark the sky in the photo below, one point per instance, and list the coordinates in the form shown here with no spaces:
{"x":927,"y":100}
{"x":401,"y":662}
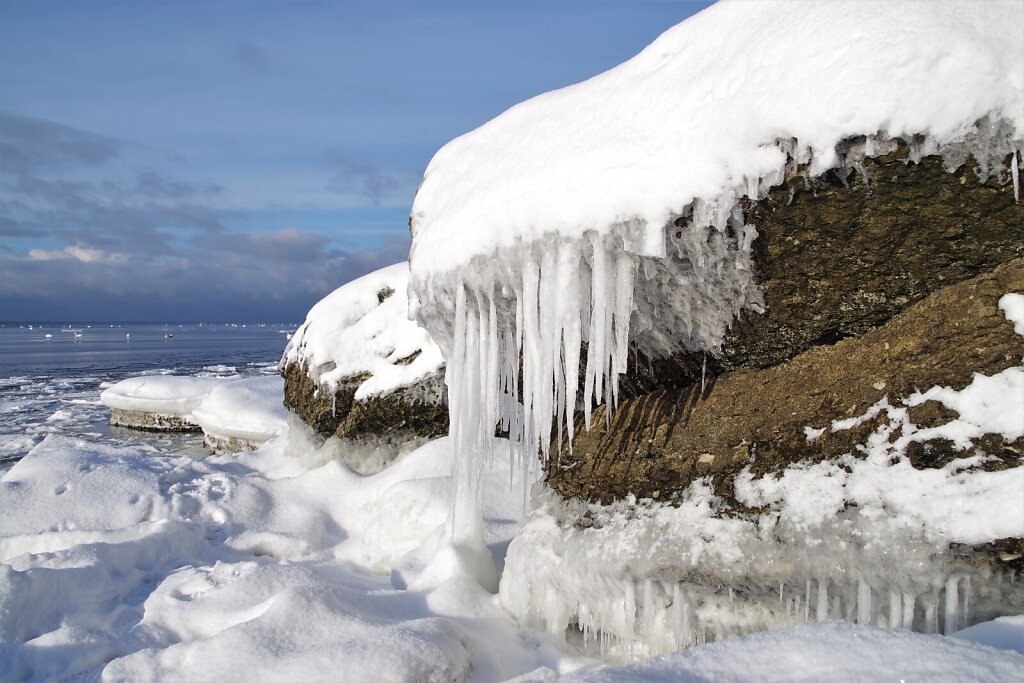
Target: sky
{"x":236,"y":161}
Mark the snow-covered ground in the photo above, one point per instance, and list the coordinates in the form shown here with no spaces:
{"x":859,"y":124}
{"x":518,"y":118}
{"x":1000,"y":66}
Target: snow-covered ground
{"x":276,"y":565}
{"x":271,"y":565}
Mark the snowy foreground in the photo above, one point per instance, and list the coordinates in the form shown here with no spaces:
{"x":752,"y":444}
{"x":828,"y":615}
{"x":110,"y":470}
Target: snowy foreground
{"x":279,"y":565}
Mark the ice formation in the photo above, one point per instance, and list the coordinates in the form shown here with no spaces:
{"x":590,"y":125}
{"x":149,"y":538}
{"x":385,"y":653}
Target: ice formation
{"x":157,"y":401}
{"x":243,"y":413}
{"x":567,"y":230}
{"x":362,"y":329}
{"x":866,"y":539}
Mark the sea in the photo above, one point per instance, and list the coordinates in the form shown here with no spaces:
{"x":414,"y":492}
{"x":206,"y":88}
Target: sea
{"x":51,"y":375}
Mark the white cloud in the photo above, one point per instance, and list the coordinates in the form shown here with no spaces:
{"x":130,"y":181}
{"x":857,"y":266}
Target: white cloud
{"x":77,"y":253}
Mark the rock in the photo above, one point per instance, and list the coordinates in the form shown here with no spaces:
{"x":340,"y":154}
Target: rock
{"x":359,"y":370}
{"x":157,"y":402}
{"x":665,"y":440}
{"x":152,"y":422}
{"x":408,"y":413}
{"x":863,"y":301}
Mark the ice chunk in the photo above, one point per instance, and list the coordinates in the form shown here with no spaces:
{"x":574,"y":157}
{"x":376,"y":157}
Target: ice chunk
{"x":164,"y":394}
{"x":249,"y":410}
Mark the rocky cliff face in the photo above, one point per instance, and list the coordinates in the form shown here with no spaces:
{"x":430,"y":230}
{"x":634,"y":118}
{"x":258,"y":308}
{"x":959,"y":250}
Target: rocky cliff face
{"x":875,"y":285}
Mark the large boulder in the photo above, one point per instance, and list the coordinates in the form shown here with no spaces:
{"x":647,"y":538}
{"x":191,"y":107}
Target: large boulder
{"x":360,"y":371}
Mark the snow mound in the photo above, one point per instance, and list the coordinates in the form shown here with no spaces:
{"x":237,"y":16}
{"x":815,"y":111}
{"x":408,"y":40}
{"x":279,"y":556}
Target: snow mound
{"x":163,"y":394}
{"x":833,"y":652}
{"x":363,"y":328}
{"x":1005,"y":633}
{"x":250,"y":410}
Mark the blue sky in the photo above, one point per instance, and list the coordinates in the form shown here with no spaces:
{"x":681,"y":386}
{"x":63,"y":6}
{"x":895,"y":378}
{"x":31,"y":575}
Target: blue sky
{"x":184,"y":160}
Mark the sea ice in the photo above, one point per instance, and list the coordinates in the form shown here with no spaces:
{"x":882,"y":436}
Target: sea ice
{"x":247,"y":412}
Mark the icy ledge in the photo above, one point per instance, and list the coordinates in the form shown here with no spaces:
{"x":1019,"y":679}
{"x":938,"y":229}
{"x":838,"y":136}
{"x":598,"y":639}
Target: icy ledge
{"x":866,"y":539}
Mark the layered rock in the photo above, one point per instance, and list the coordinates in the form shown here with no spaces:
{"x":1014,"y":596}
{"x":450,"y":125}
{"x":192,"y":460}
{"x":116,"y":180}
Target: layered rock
{"x":862,"y":300}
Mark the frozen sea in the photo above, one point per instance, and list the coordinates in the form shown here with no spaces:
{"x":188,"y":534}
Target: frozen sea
{"x":51,"y":375}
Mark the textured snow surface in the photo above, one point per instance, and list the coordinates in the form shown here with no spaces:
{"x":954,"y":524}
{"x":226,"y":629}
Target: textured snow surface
{"x":827,"y":652}
{"x":165,"y":394}
{"x":697,"y":113}
{"x":353,"y":331}
{"x":270,"y":565}
{"x":251,"y":409}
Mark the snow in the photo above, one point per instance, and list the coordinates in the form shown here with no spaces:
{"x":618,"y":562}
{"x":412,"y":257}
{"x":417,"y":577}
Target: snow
{"x":1005,"y":633}
{"x":363,"y":327}
{"x":833,"y":652}
{"x":279,"y":563}
{"x":866,"y":537}
{"x":250,"y":409}
{"x":163,"y":394}
{"x":118,"y":565}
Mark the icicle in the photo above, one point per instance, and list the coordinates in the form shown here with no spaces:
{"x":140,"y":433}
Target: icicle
{"x":909,"y":604}
{"x":863,"y":602}
{"x":931,"y":624}
{"x":967,"y":600}
{"x":623,"y":310}
{"x":596,"y":347}
{"x":648,"y":611}
{"x":836,"y":614}
{"x":780,"y":592}
{"x":952,"y":605}
{"x":822,"y":600}
{"x":1016,"y":179}
{"x":629,"y":607}
{"x":895,"y":609}
{"x":807,"y":602}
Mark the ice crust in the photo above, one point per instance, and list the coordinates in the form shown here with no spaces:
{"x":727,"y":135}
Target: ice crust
{"x":363,"y":328}
{"x":866,"y":538}
{"x":164,"y":394}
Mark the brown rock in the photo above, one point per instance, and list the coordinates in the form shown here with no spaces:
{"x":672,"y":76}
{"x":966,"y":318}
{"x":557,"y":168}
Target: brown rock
{"x":664,"y":440}
{"x":407,"y":414}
